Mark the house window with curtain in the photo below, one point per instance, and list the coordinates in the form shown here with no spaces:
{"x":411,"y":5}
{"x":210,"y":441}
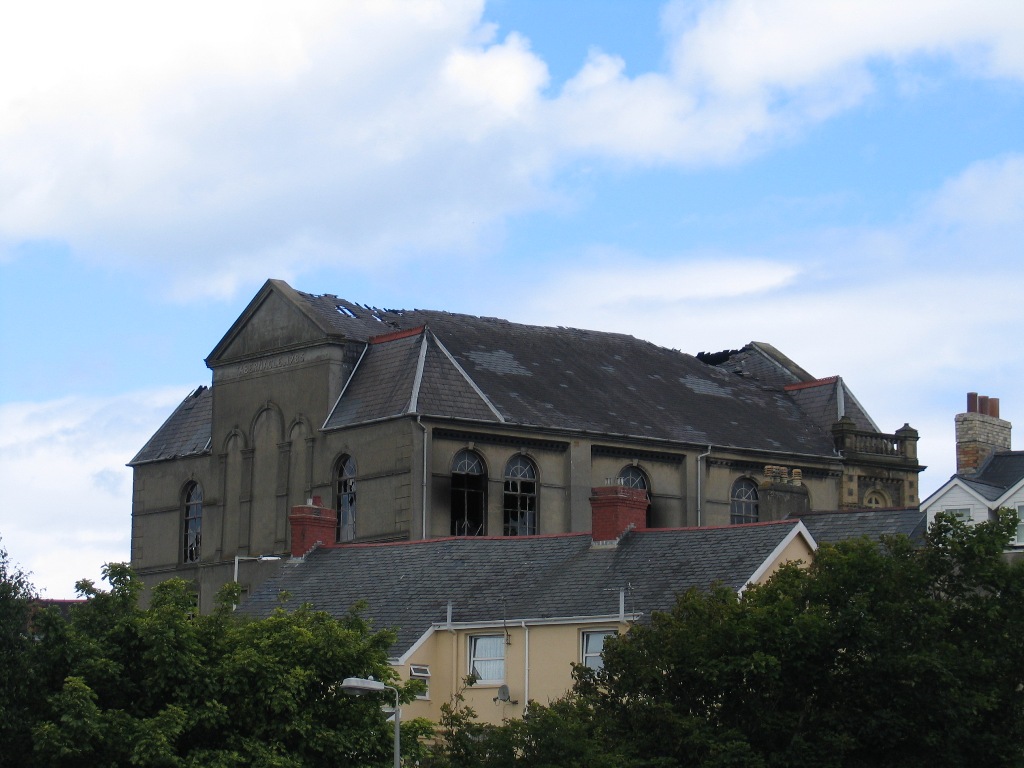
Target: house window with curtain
{"x":487,"y":658}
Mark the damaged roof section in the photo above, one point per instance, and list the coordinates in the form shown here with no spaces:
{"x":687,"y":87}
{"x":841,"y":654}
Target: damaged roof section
{"x":825,"y":401}
{"x":491,"y":370}
{"x":758,"y":361}
{"x":185,"y":433}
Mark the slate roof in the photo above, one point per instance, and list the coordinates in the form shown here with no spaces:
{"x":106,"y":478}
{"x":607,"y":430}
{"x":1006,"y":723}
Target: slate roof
{"x":758,"y":361}
{"x":838,"y":526}
{"x":1001,"y":471}
{"x":495,"y":371}
{"x":185,"y":433}
{"x":492,"y":371}
{"x":408,"y":585}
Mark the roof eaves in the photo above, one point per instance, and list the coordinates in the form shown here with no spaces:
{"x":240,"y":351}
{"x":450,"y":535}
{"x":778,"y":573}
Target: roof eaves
{"x":1009,"y":492}
{"x":798,"y":530}
{"x":954,"y":481}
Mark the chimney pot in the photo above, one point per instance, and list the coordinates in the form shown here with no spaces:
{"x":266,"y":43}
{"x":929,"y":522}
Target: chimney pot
{"x":993,"y":407}
{"x":972,"y":402}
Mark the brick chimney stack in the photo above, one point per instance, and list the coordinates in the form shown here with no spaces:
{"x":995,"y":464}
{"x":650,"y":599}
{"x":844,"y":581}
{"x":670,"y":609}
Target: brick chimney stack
{"x":616,"y":509}
{"x":979,"y":433}
{"x":311,"y":525}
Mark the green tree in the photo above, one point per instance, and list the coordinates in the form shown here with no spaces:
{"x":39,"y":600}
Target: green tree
{"x":167,"y":686}
{"x":17,"y":686}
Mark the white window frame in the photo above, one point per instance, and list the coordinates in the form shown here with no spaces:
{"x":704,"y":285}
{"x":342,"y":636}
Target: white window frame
{"x":585,"y":655}
{"x":1018,"y":539}
{"x":421,"y":672}
{"x":961,"y":513}
{"x":475,"y":657}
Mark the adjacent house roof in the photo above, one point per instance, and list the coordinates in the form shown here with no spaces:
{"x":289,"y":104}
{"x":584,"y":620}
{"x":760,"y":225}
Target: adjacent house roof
{"x":998,"y":478}
{"x":408,"y":586}
{"x":1001,"y":471}
{"x":185,"y":433}
{"x":837,"y":526}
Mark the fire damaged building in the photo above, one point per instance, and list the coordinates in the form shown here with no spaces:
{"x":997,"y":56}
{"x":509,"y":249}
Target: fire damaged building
{"x":422,"y":424}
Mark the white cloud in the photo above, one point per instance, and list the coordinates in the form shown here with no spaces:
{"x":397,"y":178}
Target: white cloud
{"x":68,"y":491}
{"x":909,"y":321}
{"x":255,"y":138}
{"x":990,"y":193}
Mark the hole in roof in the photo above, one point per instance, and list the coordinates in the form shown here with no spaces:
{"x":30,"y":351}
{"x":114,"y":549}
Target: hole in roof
{"x":343,"y":310}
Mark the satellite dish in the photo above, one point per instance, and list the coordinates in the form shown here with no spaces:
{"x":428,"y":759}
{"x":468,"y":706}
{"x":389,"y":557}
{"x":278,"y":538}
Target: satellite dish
{"x":504,"y":695}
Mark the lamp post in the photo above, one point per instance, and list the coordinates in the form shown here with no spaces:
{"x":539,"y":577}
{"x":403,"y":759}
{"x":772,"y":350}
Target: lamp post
{"x":358,"y":686}
{"x":240,"y":558}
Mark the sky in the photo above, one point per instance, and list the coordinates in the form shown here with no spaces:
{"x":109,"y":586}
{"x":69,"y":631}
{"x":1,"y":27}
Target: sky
{"x":843,"y":179}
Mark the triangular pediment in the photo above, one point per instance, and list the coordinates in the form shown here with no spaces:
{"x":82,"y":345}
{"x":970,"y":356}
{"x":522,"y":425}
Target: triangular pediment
{"x":276,"y":319}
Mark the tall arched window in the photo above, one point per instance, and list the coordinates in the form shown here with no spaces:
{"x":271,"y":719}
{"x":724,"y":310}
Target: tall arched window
{"x":345,"y":498}
{"x":469,"y":494}
{"x":632,"y":476}
{"x":743,"y":503}
{"x":193,"y":522}
{"x":520,"y":497}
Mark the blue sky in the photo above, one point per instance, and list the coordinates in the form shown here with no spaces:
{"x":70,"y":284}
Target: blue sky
{"x":844,"y":180}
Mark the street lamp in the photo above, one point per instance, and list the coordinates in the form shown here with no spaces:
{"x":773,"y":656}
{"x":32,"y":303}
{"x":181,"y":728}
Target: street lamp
{"x":260,"y":558}
{"x":358,"y":686}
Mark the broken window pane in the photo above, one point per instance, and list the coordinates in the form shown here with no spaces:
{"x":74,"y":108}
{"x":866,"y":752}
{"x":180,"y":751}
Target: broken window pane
{"x":469,"y":495}
{"x":345,"y":493}
{"x":520,"y":504}
{"x":193,"y":522}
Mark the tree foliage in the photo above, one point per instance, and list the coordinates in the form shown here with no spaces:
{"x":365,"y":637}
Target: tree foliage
{"x":876,"y":654}
{"x":165,"y":686}
{"x":17,"y":687}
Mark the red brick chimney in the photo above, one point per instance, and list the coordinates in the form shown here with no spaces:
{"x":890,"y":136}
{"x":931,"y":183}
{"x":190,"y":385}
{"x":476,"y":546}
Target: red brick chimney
{"x":616,"y":509}
{"x":311,"y":525}
{"x":979,"y":433}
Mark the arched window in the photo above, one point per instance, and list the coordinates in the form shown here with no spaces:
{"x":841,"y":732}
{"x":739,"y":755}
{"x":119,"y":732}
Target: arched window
{"x":631,"y":476}
{"x":743,"y":503}
{"x":345,"y":498}
{"x":876,"y":499}
{"x":469,"y":494}
{"x":193,"y":522}
{"x":520,"y":497}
